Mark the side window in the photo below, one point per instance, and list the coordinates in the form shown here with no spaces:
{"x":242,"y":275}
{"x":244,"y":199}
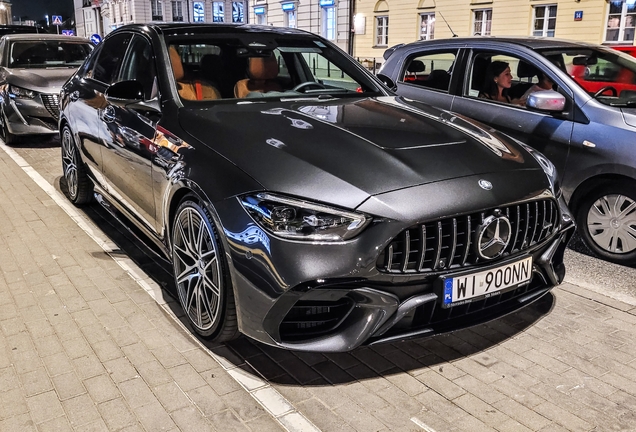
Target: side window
{"x":431,"y":70}
{"x":505,"y":78}
{"x":110,"y":58}
{"x":139,"y":65}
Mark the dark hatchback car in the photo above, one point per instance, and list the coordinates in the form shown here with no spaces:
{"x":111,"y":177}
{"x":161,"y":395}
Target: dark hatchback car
{"x":586,"y":125}
{"x":299,"y":202}
{"x":33,"y":68}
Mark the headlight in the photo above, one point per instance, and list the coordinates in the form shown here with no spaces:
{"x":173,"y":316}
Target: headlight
{"x":19,"y":92}
{"x":302,"y":220}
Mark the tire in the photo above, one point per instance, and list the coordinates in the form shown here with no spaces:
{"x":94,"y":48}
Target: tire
{"x":80,"y":187}
{"x":201,"y":274}
{"x":7,"y":137}
{"x":606,"y":219}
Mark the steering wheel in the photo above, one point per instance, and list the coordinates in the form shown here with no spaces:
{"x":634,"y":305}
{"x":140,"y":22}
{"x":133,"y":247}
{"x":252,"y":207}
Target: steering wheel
{"x":604,"y":89}
{"x":308,"y":84}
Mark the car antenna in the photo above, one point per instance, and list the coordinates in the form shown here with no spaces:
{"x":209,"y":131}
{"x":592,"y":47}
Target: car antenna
{"x":449,"y":27}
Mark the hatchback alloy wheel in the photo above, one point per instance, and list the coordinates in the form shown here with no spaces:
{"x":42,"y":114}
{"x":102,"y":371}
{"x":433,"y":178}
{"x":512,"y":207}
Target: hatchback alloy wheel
{"x":197,"y":268}
{"x":611,"y":222}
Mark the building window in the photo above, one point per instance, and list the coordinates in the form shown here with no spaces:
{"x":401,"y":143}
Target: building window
{"x":621,"y":20}
{"x":198,"y":12}
{"x":544,"y":20}
{"x":218,"y":14}
{"x":261,"y":19}
{"x":382,"y":30}
{"x":177,"y":11}
{"x":238,"y":12}
{"x":427,"y":26}
{"x":482,"y":21}
{"x":329,"y":22}
{"x":290,"y":19}
{"x":156,"y":10}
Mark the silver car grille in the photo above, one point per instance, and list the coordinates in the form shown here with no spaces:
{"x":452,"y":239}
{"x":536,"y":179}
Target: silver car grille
{"x":51,"y":104}
{"x":448,"y":243}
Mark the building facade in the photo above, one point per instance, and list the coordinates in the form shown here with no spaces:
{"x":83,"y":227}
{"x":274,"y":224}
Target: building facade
{"x":5,"y":13}
{"x":330,"y":19}
{"x":380,"y":24}
{"x":103,"y":16}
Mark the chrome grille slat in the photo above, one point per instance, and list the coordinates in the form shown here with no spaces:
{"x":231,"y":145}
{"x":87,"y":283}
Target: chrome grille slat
{"x":439,"y":246}
{"x":407,"y":250}
{"x":450,"y":240}
{"x":468,"y":232}
{"x":423,"y":248}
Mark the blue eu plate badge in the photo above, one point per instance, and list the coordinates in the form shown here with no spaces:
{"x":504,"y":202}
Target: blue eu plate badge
{"x":448,"y":291}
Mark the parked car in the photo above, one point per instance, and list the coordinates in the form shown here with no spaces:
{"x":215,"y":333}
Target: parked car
{"x":33,"y":68}
{"x":586,"y":125}
{"x":299,"y":202}
{"x":627,"y":49}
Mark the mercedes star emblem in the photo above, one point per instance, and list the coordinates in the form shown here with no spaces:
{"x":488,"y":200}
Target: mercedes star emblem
{"x":485,"y":184}
{"x":493,"y":237}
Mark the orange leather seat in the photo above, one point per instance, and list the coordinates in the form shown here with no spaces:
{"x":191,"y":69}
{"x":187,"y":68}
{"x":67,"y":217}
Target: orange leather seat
{"x":190,"y":89}
{"x":262,"y":73}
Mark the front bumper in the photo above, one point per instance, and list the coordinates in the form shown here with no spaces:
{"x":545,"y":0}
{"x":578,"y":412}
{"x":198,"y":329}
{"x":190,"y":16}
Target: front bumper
{"x":32,"y":116}
{"x":333,"y":298}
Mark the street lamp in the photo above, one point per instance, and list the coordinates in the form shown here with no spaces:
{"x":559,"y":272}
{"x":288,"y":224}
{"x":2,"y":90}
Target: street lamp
{"x":47,"y":20}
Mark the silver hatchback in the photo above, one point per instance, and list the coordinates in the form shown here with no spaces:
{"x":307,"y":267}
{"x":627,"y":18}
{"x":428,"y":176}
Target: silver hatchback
{"x":33,"y":68}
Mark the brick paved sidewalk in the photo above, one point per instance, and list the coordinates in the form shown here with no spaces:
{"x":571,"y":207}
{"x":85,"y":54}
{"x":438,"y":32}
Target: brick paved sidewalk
{"x":83,"y":347}
{"x":79,"y":336}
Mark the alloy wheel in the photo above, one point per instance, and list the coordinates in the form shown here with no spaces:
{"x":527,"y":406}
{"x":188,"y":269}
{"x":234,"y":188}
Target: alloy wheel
{"x":197,"y":269}
{"x":611,"y":222}
{"x":69,"y":163}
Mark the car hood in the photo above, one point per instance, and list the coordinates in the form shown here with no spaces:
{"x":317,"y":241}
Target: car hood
{"x":45,"y":80}
{"x":343,"y":151}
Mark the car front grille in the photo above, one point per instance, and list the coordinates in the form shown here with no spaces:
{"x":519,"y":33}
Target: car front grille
{"x":448,"y":243}
{"x":308,"y":319}
{"x":51,"y":104}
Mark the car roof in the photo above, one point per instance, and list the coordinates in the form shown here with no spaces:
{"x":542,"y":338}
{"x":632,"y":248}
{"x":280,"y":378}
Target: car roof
{"x":44,"y":36}
{"x":178,"y":28}
{"x":527,"y":41}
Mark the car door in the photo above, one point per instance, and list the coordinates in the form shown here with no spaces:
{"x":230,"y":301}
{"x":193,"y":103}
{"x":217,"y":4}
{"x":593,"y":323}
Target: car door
{"x":426,"y":75}
{"x":86,"y":99}
{"x":127,"y":135}
{"x":550,"y":133}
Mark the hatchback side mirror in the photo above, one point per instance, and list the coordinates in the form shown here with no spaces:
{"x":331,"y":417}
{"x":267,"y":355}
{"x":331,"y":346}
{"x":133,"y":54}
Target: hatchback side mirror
{"x":387,"y":81}
{"x":130,"y":94}
{"x":546,"y":100}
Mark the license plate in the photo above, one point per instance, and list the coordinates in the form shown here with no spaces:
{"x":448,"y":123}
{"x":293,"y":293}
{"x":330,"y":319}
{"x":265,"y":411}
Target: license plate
{"x":466,"y":288}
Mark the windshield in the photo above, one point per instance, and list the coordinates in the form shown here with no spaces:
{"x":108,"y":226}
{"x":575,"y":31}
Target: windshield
{"x":46,"y":54}
{"x":609,"y":75}
{"x":263,"y":66}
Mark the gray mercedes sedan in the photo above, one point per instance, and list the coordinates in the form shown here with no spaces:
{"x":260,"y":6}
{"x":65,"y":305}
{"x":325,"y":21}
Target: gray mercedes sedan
{"x":33,"y":68}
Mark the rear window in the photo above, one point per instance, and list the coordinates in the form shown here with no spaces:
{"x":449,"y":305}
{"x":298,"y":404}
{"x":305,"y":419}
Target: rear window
{"x":50,"y":53}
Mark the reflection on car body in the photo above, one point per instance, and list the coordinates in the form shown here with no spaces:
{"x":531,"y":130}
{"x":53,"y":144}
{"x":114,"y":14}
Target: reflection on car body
{"x":33,"y":68}
{"x":299,"y":202}
{"x":585,"y":125}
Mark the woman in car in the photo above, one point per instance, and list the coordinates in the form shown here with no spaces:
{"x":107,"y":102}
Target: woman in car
{"x":497,"y":81}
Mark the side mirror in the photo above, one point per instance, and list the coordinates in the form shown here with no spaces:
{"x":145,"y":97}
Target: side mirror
{"x":546,"y":100}
{"x":387,"y":81}
{"x":130,"y":94}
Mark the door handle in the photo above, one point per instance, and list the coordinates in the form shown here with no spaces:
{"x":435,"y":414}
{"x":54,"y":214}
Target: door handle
{"x":108,"y":114}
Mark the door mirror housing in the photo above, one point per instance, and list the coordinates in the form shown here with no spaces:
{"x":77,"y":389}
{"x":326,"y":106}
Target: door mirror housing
{"x":546,"y":100}
{"x":130,"y":94}
{"x":387,"y":81}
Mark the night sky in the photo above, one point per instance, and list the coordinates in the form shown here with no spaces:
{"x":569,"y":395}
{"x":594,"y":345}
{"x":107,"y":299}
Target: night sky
{"x":36,"y":9}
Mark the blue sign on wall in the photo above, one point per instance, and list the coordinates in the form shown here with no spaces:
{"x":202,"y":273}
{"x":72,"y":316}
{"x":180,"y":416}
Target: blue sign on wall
{"x":259,"y":11}
{"x":327,"y":3}
{"x":578,"y":16}
{"x":289,"y":6}
{"x":95,"y":38}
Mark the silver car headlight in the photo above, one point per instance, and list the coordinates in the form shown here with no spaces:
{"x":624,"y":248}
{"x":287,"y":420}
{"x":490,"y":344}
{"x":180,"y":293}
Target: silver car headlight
{"x":297,"y":219}
{"x":21,"y":93}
